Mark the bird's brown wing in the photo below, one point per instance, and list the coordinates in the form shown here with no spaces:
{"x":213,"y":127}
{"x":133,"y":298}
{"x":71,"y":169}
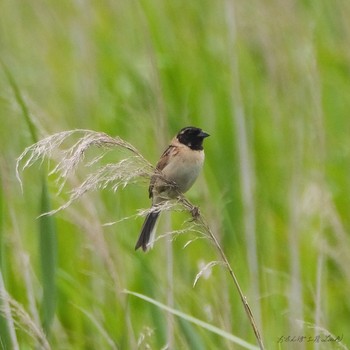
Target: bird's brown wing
{"x":163,"y":161}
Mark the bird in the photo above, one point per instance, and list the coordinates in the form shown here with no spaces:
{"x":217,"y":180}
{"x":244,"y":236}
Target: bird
{"x":175,"y":173}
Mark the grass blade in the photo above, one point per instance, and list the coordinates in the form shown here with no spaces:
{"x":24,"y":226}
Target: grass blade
{"x":5,"y":320}
{"x":21,"y":103}
{"x":48,"y":242}
{"x":196,"y":321}
{"x":193,"y":340}
{"x":48,"y":252}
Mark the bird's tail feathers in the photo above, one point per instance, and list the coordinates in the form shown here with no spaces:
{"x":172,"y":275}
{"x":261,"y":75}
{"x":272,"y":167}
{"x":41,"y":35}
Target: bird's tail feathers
{"x":147,"y":230}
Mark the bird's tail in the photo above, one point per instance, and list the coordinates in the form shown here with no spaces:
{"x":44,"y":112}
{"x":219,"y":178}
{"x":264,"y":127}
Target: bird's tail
{"x":146,"y":231}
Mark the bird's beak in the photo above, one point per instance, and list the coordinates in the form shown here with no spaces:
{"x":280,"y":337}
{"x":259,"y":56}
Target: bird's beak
{"x":203,"y":134}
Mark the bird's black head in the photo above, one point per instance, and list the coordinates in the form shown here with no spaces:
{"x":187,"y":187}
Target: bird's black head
{"x":192,"y":137}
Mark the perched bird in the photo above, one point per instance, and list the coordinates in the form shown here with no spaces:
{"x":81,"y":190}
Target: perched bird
{"x":176,"y":171}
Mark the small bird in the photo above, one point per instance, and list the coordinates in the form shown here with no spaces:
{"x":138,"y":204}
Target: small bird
{"x":176,"y":171}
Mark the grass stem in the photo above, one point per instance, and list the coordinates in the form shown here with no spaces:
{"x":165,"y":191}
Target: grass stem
{"x":202,"y":222}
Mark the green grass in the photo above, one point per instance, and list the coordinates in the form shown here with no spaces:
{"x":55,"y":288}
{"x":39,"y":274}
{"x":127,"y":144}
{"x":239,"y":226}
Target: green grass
{"x":142,"y":70}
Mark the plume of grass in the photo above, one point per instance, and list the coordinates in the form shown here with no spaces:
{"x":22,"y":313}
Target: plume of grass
{"x":115,"y":175}
{"x":205,"y":269}
{"x":8,"y":332}
{"x":18,"y":317}
{"x":129,"y":170}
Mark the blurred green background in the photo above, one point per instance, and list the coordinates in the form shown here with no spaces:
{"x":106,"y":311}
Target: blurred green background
{"x":269,"y":80}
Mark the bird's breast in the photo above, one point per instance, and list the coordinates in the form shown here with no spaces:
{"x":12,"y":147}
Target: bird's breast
{"x":184,"y":169}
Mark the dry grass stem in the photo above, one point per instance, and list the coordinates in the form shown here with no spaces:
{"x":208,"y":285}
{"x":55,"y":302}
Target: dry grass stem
{"x":5,"y":310}
{"x":22,"y":320}
{"x":206,"y":229}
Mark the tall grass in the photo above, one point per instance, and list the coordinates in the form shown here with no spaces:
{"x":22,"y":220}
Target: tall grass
{"x":47,"y":233}
{"x":269,"y":82}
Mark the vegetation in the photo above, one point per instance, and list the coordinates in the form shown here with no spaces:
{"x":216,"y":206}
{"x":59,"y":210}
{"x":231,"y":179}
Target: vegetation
{"x":269,"y":81}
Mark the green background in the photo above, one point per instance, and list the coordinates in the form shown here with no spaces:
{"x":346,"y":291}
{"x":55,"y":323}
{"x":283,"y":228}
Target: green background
{"x":269,"y":80}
